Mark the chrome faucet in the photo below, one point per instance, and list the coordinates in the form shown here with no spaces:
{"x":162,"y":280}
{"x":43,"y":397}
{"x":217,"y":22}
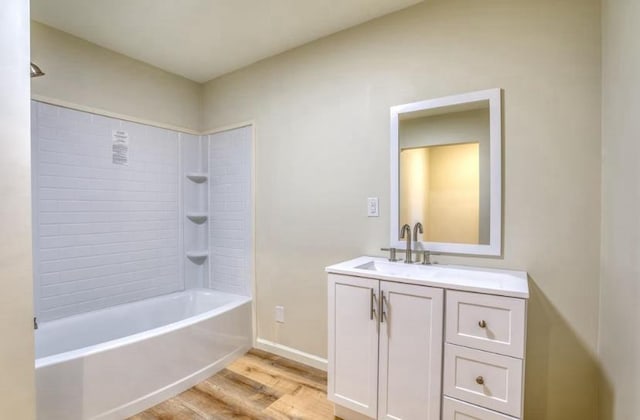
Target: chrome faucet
{"x":417,"y":228}
{"x":405,"y":233}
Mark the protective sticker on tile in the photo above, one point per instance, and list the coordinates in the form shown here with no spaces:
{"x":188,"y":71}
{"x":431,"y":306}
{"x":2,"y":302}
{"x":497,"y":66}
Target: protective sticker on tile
{"x":120,"y":148}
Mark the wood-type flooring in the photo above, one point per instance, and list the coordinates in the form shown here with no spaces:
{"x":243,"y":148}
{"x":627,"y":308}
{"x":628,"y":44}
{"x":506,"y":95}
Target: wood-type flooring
{"x":259,"y":385}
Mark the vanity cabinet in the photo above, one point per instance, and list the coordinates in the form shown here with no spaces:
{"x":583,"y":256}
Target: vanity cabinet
{"x":448,"y":345}
{"x":385,"y":348}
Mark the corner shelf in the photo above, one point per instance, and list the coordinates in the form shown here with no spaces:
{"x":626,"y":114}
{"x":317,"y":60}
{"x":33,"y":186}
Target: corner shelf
{"x":197,"y":177}
{"x":197,"y":217}
{"x":197,"y":257}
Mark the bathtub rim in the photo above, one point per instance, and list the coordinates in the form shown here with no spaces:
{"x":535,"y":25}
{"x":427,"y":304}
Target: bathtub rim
{"x":66,"y":356}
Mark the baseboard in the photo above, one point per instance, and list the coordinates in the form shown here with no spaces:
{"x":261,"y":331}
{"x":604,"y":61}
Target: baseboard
{"x":291,"y":353}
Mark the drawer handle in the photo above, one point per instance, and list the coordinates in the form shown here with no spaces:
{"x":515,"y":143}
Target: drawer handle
{"x":480,"y":380}
{"x":482,"y":324}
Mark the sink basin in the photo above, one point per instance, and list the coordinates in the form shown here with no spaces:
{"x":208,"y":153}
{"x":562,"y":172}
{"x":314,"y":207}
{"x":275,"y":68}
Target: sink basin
{"x":502,"y":282}
{"x":399,"y":269}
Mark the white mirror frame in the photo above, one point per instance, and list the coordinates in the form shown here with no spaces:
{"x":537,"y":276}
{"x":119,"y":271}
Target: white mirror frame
{"x":494,"y":247}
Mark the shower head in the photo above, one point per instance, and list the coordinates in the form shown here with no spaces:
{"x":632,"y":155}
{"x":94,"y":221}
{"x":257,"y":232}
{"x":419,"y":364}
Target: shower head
{"x":35,"y":71}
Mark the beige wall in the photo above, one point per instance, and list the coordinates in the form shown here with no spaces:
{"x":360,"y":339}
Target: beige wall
{"x":322,"y":133}
{"x":17,"y":391}
{"x":619,"y":342}
{"x":84,"y":74}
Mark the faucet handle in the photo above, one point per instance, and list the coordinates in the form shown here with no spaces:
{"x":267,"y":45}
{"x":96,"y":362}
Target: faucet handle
{"x":392,"y":253}
{"x":426,"y":254}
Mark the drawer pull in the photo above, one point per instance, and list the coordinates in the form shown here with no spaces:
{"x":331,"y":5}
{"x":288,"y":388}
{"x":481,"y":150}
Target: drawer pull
{"x":480,"y":380}
{"x":482,"y":324}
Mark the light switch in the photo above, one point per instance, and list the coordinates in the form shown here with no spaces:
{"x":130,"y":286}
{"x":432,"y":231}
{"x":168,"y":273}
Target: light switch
{"x":372,"y":207}
{"x":280,"y":314}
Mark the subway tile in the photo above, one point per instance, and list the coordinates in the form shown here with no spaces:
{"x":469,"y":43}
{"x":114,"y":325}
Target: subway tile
{"x":105,"y":230}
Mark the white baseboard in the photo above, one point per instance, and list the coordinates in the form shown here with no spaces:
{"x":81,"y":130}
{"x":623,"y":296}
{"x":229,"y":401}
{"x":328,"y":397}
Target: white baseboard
{"x":291,"y":353}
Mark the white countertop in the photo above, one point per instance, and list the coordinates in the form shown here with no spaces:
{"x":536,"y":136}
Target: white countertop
{"x":455,"y":277}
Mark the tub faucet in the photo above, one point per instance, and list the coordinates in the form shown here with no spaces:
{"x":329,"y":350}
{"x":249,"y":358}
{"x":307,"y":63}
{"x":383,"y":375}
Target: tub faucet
{"x":405,"y":233}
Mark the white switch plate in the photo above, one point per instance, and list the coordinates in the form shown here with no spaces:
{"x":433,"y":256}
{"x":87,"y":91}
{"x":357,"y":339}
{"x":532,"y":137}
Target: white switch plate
{"x":372,"y":207}
{"x":280,"y":314}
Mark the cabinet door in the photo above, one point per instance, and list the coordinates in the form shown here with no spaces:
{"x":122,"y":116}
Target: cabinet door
{"x":353,"y":343}
{"x":410,"y":352}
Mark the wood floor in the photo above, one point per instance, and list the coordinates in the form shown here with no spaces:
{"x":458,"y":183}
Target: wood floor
{"x":259,"y":385}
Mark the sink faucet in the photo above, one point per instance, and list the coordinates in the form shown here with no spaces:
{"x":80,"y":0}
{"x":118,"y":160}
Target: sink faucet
{"x":417,"y":228}
{"x":405,"y":233}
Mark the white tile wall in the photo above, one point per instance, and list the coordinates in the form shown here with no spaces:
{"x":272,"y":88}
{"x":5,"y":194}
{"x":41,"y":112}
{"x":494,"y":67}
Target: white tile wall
{"x":231,"y":210}
{"x":107,"y":234}
{"x":104,"y":234}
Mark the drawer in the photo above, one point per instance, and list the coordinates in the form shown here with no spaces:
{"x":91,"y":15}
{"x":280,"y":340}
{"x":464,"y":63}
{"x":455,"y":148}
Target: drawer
{"x":486,"y":379}
{"x":486,"y":322}
{"x":459,"y":410}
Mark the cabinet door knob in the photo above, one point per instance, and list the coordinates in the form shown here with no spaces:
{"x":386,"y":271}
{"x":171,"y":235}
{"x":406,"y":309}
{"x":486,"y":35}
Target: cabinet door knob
{"x":480,"y":380}
{"x":482,"y":324}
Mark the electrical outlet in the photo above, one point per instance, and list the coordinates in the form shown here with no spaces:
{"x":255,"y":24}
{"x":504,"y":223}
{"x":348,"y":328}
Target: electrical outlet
{"x":280,"y":314}
{"x":372,"y":207}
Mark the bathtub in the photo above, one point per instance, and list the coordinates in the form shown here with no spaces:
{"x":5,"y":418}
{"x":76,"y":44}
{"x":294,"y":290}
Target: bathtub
{"x":115,"y":362}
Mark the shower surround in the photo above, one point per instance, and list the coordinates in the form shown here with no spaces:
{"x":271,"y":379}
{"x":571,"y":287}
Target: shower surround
{"x":124,"y":213}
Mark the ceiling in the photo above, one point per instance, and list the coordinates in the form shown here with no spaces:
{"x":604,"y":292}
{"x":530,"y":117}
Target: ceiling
{"x":203,"y":39}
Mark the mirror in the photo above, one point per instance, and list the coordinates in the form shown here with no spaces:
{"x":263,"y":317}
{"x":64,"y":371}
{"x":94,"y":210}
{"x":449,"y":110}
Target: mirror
{"x":446,"y":172}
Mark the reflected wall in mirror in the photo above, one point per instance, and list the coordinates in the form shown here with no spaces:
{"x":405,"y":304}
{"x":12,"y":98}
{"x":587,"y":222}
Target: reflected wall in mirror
{"x":446,"y":172}
{"x":440,"y":185}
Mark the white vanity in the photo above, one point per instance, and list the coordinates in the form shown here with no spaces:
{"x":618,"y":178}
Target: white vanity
{"x":426,"y":342}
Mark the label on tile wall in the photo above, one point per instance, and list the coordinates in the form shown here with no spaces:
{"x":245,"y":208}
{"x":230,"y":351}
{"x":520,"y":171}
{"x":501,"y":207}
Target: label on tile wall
{"x":120,"y":148}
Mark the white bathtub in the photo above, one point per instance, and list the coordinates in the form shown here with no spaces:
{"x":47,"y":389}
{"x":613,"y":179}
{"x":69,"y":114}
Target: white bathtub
{"x":115,"y":362}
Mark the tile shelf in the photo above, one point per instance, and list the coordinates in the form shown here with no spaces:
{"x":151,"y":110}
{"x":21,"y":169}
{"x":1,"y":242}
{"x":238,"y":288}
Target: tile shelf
{"x":197,"y":217}
{"x":197,"y":257}
{"x":197,"y":177}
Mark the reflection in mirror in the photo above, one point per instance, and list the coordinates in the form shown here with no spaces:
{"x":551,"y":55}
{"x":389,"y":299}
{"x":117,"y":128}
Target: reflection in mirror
{"x":440,"y":185}
{"x":446,"y":172}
